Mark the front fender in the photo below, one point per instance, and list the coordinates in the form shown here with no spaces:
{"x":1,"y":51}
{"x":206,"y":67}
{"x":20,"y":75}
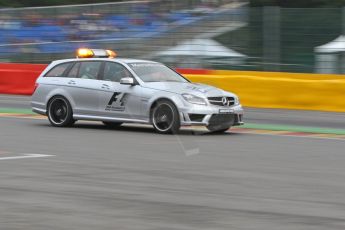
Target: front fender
{"x":174,"y":98}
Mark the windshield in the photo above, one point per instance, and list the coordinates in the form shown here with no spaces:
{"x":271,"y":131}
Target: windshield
{"x":155,"y":72}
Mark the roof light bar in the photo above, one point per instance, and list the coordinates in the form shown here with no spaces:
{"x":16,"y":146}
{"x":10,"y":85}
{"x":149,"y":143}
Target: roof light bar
{"x":95,"y":53}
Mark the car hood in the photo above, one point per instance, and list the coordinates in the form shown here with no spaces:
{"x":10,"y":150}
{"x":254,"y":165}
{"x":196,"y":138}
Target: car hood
{"x":196,"y":89}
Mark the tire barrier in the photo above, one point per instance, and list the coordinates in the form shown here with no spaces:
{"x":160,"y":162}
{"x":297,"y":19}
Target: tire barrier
{"x":19,"y":78}
{"x":323,"y":92}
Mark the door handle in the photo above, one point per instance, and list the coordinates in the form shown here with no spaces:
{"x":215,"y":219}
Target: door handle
{"x":71,"y":82}
{"x":105,"y":86}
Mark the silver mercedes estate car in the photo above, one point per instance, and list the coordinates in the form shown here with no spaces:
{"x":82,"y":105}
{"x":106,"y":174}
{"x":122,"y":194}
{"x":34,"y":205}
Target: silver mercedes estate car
{"x":96,"y":86}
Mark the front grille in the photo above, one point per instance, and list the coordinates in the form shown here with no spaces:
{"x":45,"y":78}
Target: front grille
{"x":219,"y":119}
{"x":222,"y":101}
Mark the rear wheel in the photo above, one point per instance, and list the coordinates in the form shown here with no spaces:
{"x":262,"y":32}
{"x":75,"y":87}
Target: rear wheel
{"x":165,"y":117}
{"x":60,"y":112}
{"x":112,"y":125}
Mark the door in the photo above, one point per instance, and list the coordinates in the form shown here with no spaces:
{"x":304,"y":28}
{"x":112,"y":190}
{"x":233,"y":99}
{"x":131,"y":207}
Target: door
{"x":82,"y":85}
{"x":117,"y":100}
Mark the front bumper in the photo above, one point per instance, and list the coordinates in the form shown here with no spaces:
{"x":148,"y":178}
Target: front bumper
{"x":211,"y":115}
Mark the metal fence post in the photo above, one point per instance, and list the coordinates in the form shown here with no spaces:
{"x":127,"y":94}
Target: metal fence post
{"x":342,"y":54}
{"x":271,"y":38}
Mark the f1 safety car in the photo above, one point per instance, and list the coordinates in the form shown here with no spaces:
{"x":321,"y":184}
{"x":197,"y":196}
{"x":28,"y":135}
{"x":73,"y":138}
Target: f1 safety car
{"x":98,"y":86}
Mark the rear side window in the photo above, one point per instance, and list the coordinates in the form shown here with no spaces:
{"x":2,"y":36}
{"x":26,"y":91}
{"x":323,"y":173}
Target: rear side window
{"x":89,"y":70}
{"x":73,"y":73}
{"x":58,"y":71}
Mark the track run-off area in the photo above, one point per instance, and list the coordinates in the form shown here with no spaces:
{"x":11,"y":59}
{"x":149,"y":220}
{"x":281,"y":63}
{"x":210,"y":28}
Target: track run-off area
{"x":283,"y":170}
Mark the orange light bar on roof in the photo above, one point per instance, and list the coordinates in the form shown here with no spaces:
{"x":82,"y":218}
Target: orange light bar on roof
{"x":84,"y":53}
{"x":111,"y":54}
{"x":96,"y":53}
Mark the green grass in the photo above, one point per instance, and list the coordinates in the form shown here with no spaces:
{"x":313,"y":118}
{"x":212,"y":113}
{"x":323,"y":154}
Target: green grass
{"x":14,"y":110}
{"x":294,"y":128}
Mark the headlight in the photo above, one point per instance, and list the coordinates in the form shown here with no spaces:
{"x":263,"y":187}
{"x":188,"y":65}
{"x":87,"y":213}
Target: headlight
{"x":194,"y":99}
{"x":237,"y":100}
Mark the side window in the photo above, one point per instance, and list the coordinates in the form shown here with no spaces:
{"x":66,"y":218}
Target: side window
{"x":73,"y":73}
{"x":115,"y":71}
{"x":89,"y":69}
{"x":58,"y":70}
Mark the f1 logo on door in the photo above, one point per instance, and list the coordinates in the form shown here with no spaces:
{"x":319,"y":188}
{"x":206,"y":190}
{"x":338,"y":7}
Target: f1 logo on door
{"x":120,"y":101}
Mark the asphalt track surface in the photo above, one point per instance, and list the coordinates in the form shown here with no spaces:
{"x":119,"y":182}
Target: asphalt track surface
{"x":258,"y":116}
{"x":91,"y":177}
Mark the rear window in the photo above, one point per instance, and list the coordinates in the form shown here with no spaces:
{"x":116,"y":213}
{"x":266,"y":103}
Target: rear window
{"x":58,"y":71}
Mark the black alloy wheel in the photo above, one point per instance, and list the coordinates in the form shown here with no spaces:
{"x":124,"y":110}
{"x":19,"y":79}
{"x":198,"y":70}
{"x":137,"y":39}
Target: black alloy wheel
{"x":165,"y":117}
{"x":60,"y":112}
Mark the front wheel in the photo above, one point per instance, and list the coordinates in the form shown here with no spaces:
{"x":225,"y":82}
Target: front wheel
{"x":165,"y":117}
{"x":60,"y":112}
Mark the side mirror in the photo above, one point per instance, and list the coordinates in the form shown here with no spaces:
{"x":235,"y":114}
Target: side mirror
{"x":127,"y":81}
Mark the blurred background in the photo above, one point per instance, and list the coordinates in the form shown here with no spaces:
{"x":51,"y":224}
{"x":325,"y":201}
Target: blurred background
{"x":259,"y":35}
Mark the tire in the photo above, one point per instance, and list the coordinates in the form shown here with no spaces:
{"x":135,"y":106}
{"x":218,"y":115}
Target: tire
{"x":165,"y":117}
{"x":217,"y":129}
{"x":112,"y":125}
{"x":60,"y":112}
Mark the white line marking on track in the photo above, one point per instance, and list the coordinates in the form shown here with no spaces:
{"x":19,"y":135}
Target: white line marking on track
{"x":24,"y":156}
